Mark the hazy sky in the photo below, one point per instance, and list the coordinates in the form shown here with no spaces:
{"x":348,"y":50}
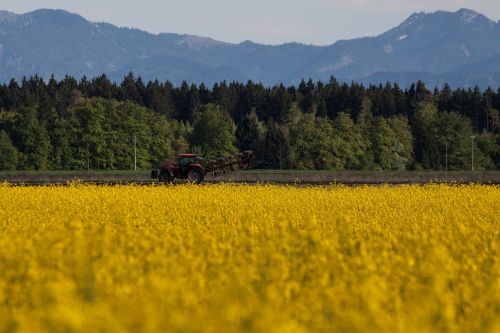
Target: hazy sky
{"x":266,"y":21}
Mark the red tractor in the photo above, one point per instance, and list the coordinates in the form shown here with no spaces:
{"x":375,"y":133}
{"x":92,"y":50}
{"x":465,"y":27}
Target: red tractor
{"x":188,"y":166}
{"x":195,"y":168}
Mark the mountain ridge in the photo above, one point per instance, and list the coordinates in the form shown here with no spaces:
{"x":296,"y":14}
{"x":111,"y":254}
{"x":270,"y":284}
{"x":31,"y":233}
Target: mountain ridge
{"x":439,"y":44}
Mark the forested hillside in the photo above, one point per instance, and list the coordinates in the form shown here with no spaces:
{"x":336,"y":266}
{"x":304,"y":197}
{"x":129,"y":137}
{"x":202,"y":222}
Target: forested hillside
{"x":71,"y":124}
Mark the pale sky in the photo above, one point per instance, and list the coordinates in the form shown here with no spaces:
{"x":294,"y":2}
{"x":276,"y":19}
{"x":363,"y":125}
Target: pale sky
{"x":319,"y":22}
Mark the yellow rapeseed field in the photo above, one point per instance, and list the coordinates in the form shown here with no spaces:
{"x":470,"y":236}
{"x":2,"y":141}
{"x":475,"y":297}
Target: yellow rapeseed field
{"x":240,"y":258}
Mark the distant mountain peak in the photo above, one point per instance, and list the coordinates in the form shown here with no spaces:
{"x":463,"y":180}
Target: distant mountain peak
{"x":469,"y":16}
{"x":439,"y":21}
{"x":198,"y":43}
{"x":414,"y":18}
{"x":417,"y":15}
{"x":58,"y":16}
{"x":466,"y":16}
{"x":468,"y":13}
{"x":6,"y":16}
{"x":44,"y":11}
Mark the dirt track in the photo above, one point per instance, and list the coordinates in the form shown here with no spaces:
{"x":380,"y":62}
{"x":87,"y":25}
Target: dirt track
{"x":278,"y":177}
{"x":365,"y":177}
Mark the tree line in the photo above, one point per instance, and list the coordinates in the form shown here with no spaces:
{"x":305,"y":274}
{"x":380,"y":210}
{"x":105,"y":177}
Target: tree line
{"x":98,"y":124}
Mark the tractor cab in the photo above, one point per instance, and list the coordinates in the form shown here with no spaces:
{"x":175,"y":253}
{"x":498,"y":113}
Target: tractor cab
{"x":185,"y":160}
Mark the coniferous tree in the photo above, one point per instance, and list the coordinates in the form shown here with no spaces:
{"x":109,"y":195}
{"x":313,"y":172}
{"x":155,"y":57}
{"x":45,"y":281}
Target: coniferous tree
{"x":425,"y":131}
{"x":8,"y":153}
{"x":31,"y":139}
{"x":276,"y":150}
{"x":213,"y":132}
{"x":249,"y":133}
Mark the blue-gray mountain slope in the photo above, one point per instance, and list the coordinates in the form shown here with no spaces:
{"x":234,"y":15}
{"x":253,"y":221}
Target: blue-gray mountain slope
{"x":461,"y":48}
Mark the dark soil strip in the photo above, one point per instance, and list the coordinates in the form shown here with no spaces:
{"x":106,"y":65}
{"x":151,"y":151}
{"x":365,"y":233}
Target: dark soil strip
{"x":274,"y":177}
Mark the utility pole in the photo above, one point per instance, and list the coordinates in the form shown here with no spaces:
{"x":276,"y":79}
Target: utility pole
{"x":88,"y":158}
{"x":472,"y":152}
{"x":487,"y":120}
{"x":446,"y":157}
{"x":280,"y":151}
{"x":135,"y":152}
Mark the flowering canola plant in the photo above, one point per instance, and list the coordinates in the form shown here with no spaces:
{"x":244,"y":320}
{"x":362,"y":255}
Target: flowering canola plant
{"x":241,"y":258}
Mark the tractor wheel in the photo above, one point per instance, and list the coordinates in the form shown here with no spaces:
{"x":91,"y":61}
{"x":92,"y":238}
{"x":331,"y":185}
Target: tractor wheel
{"x":165,"y":178}
{"x":195,"y":176}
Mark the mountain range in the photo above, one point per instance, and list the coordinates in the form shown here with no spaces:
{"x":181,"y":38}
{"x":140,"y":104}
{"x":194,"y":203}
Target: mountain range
{"x":461,"y":48}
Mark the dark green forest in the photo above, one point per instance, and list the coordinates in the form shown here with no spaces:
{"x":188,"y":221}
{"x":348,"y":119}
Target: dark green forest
{"x":94,"y":124}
